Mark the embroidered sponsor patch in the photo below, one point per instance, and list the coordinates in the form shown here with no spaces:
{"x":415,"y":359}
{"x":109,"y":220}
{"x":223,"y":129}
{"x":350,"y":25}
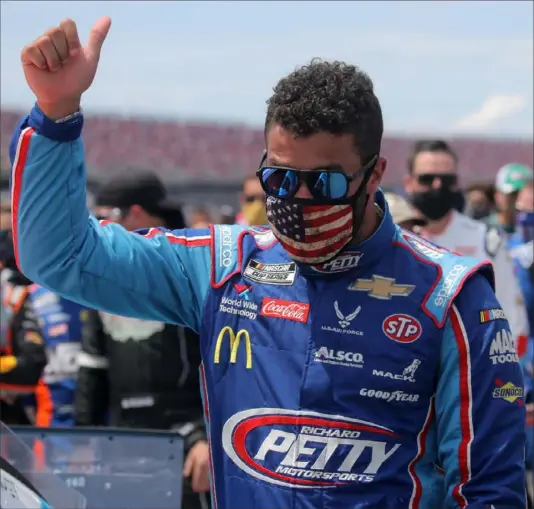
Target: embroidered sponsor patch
{"x":402,"y":328}
{"x":490,"y":315}
{"x":424,"y":248}
{"x":271,"y":273}
{"x":341,"y":263}
{"x":285,"y":309}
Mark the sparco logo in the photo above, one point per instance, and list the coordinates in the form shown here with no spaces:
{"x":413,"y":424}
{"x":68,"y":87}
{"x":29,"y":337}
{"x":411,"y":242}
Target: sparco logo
{"x":225,"y":233}
{"x":390,"y":396}
{"x":339,"y":357}
{"x":288,"y":310}
{"x":300,"y":449}
{"x":402,"y":328}
{"x":448,"y":286}
{"x":502,"y":349}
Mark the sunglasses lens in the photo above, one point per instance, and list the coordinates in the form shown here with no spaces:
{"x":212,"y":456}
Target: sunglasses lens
{"x":279,"y":182}
{"x":328,"y":184}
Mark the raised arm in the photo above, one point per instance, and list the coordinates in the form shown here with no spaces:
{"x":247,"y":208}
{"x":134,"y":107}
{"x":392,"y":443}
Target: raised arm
{"x":160,"y":275}
{"x":480,"y":408}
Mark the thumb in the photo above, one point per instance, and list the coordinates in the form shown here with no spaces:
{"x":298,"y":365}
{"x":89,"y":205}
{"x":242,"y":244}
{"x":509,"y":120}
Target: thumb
{"x":188,"y":465}
{"x":97,"y":36}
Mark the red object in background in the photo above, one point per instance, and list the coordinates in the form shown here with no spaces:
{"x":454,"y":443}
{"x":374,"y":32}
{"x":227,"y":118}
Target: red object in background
{"x":180,"y":151}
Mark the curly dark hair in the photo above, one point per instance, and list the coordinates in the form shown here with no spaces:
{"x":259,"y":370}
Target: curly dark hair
{"x":331,"y":97}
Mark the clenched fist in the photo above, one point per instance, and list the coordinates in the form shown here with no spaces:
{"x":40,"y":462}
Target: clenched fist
{"x":59,"y":70}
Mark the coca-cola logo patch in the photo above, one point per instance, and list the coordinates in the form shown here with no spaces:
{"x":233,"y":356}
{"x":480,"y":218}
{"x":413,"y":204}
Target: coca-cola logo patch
{"x":285,"y":309}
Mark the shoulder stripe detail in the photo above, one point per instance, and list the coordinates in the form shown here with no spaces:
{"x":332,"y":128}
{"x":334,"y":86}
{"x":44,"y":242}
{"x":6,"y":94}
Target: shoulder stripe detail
{"x":184,"y":240}
{"x":417,"y":491}
{"x":466,"y":406}
{"x":19,"y":163}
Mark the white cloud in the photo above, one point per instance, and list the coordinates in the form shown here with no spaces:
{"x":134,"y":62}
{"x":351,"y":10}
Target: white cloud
{"x":495,"y":109}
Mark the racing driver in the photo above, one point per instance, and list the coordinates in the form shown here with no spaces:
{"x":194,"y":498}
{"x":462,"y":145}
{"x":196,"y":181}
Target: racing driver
{"x":346,"y":363}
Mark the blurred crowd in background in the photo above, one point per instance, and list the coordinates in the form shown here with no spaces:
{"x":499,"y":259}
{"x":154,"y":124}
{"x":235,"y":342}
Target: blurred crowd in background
{"x":63,"y":365}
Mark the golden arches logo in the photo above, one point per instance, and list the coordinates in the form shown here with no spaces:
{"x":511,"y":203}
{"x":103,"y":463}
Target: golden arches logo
{"x":235,"y":339}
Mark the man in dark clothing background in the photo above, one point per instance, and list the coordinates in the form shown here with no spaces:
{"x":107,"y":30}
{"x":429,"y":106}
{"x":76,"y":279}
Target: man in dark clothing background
{"x":144,"y":374}
{"x":22,"y":352}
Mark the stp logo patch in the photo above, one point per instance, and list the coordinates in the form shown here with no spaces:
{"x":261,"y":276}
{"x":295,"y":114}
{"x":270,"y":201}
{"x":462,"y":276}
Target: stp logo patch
{"x":402,"y":328}
{"x":300,"y":449}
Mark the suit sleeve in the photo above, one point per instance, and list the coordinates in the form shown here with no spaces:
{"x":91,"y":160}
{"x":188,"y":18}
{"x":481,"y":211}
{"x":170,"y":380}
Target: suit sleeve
{"x":91,"y":403}
{"x":25,"y":367}
{"x":480,"y":409}
{"x":158,"y":275}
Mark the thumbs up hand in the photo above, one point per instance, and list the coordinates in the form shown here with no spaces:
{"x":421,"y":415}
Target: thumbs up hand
{"x":59,"y":69}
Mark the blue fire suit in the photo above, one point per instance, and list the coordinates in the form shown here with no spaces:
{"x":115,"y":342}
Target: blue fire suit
{"x":385,"y":379}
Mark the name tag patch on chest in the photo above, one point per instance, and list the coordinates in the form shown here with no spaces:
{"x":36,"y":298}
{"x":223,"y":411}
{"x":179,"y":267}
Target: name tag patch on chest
{"x":271,"y":273}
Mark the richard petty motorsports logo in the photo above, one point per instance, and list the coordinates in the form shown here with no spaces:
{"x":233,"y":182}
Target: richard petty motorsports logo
{"x":300,"y":449}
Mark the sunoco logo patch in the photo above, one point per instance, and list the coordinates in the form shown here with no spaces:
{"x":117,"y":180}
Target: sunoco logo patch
{"x":271,"y":273}
{"x":300,"y":449}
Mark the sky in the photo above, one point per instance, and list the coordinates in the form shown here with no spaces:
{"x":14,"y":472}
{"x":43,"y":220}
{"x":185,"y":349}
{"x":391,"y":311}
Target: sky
{"x":454,"y":67}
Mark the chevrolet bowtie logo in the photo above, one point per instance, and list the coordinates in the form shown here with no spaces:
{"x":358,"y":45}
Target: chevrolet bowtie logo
{"x":381,"y":287}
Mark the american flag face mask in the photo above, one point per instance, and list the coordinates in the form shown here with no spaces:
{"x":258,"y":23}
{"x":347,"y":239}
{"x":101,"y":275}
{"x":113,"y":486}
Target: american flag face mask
{"x":311,"y":234}
{"x":314,"y":231}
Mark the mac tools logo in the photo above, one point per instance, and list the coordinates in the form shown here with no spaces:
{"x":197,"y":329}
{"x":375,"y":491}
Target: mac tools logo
{"x":300,"y":449}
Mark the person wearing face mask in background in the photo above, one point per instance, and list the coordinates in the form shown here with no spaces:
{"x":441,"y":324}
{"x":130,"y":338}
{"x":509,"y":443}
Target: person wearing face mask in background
{"x":480,"y":200}
{"x":509,"y":181}
{"x":432,"y":185}
{"x":332,"y":324}
{"x":252,"y":200}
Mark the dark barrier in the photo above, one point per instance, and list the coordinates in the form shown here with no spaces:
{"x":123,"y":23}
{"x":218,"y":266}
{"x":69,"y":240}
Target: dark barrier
{"x":30,"y":488}
{"x":111,"y":468}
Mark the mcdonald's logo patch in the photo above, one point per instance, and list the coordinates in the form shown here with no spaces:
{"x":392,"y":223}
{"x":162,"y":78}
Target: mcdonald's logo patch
{"x":234,"y":343}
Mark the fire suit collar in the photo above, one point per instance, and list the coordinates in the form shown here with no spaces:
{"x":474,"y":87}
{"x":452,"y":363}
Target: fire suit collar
{"x":359,"y":257}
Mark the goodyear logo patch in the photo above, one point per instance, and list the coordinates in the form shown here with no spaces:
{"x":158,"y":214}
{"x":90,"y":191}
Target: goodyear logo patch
{"x":490,"y":315}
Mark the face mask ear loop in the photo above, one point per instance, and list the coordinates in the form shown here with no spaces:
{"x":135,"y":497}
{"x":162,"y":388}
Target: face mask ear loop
{"x":357,"y":222}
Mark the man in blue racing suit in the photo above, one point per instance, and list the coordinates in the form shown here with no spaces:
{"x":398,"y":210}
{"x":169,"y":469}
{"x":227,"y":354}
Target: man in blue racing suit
{"x":346,"y":363}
